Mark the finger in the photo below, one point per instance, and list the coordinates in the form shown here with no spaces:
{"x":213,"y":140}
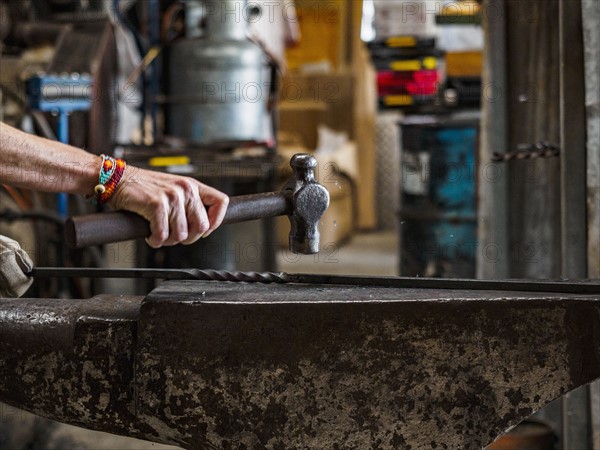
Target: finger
{"x":159,"y":226}
{"x":178,"y":227}
{"x":197,"y":219}
{"x":217,"y":203}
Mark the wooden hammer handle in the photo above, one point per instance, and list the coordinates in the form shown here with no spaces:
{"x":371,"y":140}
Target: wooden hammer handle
{"x":117,"y":226}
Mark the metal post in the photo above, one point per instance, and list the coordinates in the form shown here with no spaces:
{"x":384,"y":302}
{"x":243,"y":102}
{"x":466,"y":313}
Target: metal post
{"x":492,"y":257}
{"x":595,"y":414}
{"x":576,"y":414}
{"x":572,"y":141}
{"x":591,"y":43}
{"x":591,"y":27}
{"x":576,"y":419}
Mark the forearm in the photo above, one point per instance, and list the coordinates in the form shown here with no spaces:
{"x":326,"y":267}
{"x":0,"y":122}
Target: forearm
{"x":179,"y":209}
{"x":35,"y":163}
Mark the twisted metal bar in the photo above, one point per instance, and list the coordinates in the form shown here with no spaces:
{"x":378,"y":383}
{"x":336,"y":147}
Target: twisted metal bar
{"x":239,"y":277}
{"x":528,"y":151}
{"x":167,"y":274}
{"x":575,"y":287}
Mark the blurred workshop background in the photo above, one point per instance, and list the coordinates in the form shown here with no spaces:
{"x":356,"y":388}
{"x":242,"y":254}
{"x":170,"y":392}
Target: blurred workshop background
{"x":442,"y":130}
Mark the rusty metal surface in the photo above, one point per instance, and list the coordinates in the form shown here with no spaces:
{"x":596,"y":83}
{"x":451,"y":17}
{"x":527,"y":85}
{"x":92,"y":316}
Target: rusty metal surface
{"x":291,"y":366}
{"x":235,"y":365}
{"x":70,"y":360}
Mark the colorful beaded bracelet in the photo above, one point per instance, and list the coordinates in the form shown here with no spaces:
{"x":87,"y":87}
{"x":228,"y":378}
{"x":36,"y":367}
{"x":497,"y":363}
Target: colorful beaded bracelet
{"x":111,"y":172}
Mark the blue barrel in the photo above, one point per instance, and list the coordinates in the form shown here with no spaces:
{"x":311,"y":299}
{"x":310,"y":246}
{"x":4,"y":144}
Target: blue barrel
{"x":438,"y":217}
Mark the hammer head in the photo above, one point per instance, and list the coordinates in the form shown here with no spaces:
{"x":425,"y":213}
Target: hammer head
{"x":309,"y":202}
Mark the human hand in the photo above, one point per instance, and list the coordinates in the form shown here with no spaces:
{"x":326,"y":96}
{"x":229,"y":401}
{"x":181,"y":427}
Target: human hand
{"x":15,"y":264}
{"x":180,"y":210}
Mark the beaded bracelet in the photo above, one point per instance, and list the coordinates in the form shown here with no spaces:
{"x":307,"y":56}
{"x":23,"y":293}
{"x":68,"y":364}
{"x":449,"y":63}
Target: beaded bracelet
{"x":111,"y":172}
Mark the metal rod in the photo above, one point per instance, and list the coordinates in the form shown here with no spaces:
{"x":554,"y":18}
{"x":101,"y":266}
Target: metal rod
{"x":579,"y":287}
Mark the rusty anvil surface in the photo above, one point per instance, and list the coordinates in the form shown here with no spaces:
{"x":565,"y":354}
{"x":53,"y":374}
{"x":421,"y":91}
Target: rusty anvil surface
{"x":239,"y":366}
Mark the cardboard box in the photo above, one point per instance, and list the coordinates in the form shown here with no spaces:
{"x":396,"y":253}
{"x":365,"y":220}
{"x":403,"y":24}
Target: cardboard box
{"x":349,"y":99}
{"x":337,"y":224}
{"x":332,"y":95}
{"x":301,"y":119}
{"x":323,"y":31}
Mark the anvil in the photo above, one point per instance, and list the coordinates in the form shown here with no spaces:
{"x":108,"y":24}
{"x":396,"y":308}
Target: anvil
{"x":222,"y":365}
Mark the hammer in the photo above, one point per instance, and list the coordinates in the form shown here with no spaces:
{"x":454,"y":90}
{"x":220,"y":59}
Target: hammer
{"x":302,"y":199}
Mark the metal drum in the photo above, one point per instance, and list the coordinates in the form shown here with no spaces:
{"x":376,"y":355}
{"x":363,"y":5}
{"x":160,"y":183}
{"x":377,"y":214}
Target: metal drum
{"x":438,"y":221}
{"x":219,"y":81}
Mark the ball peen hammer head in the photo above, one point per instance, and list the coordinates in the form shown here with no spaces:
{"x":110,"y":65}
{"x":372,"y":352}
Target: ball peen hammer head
{"x":309,"y":202}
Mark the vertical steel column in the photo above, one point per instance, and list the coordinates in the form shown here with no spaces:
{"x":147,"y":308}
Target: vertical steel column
{"x":492,"y":232}
{"x":595,"y":414}
{"x":572,"y":141}
{"x":576,"y":422}
{"x":576,"y":419}
{"x":591,"y":43}
{"x":591,"y":38}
